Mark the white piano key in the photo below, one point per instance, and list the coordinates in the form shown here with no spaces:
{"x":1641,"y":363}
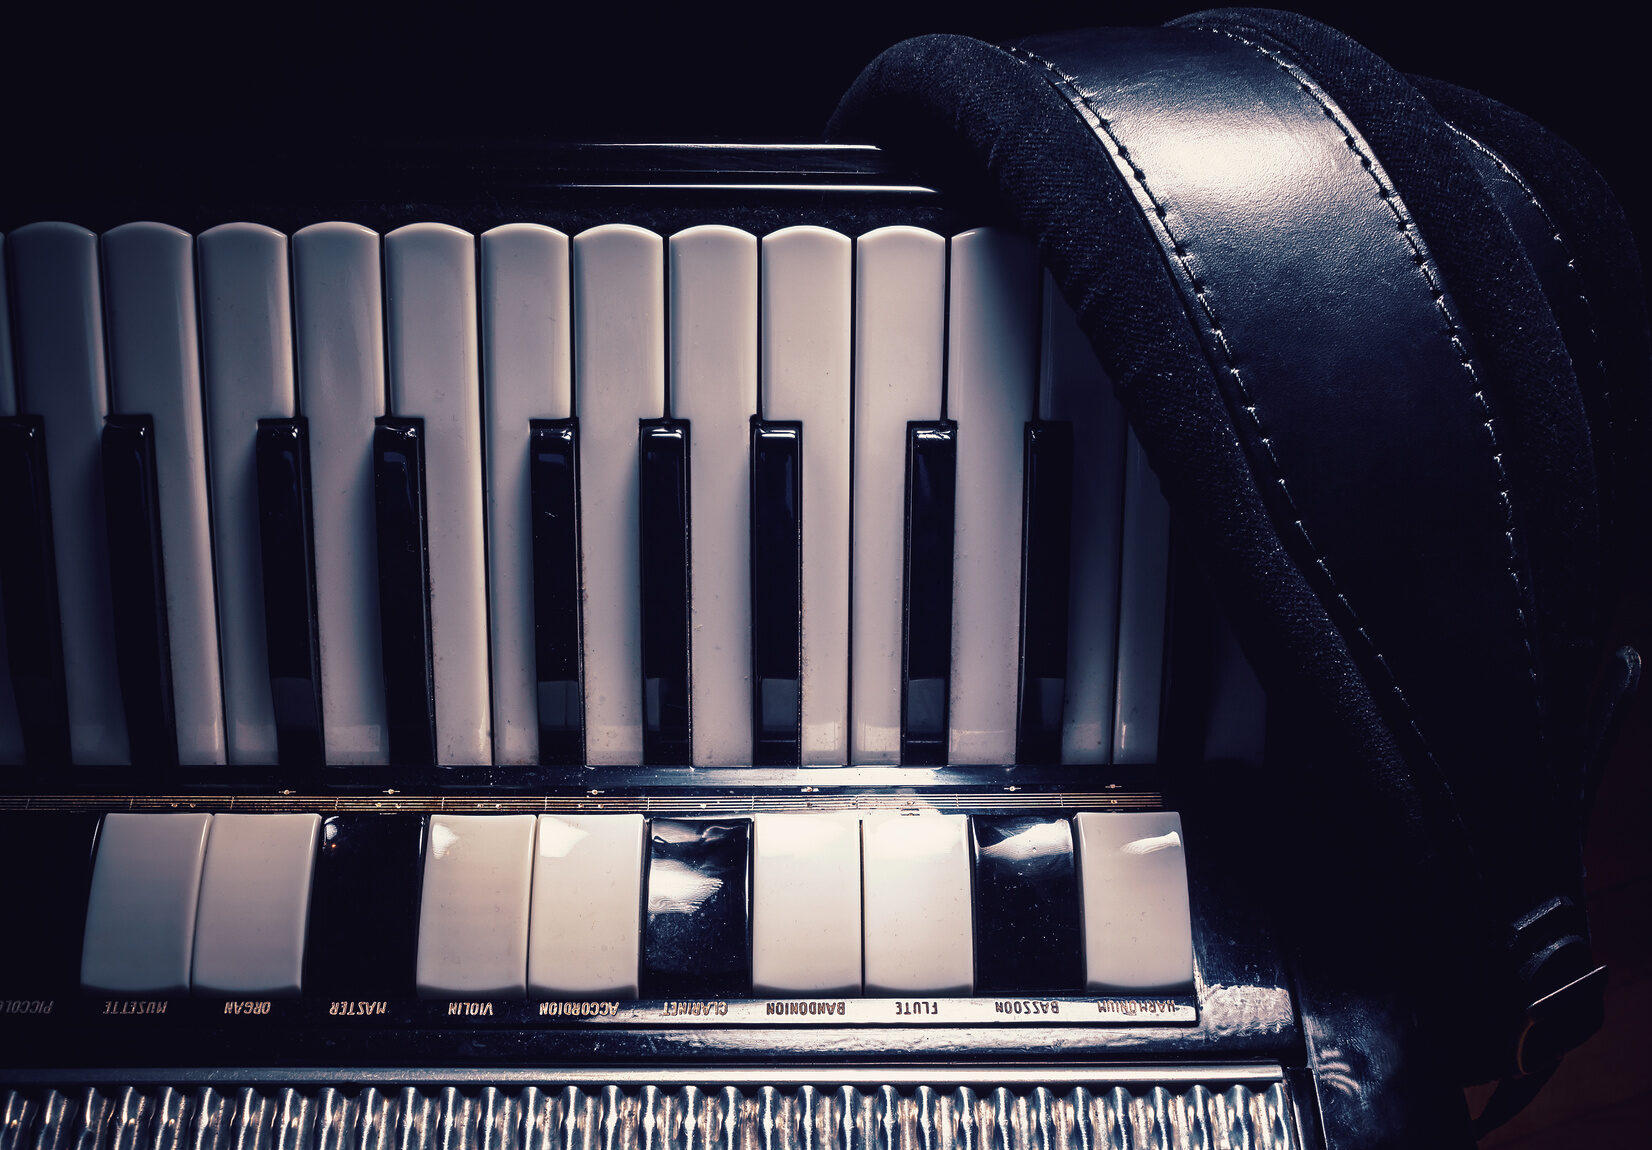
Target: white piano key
{"x":430,"y":300}
{"x":806,"y":316}
{"x":1076,"y":389}
{"x":247,"y":352}
{"x":1138,"y":933}
{"x":61,"y":375}
{"x":805,"y":924}
{"x":918,"y":916}
{"x":1143,"y":581}
{"x":526,"y":374}
{"x":338,"y":302}
{"x":713,"y":315}
{"x":619,"y":378}
{"x":473,"y":912}
{"x":254,"y":904}
{"x":900,"y":312}
{"x":140,"y":913}
{"x":992,"y":389}
{"x":585,"y":929}
{"x":155,"y":370}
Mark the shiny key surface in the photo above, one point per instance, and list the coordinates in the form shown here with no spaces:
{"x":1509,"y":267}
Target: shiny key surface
{"x":338,"y":311}
{"x":664,"y":557}
{"x":713,"y":283}
{"x":151,"y":319}
{"x":527,"y":375}
{"x":806,"y":911}
{"x":1028,"y":932}
{"x":918,"y":917}
{"x":697,"y":940}
{"x":247,"y":360}
{"x":992,"y":381}
{"x":364,"y":914}
{"x":254,"y":906}
{"x":434,"y":376}
{"x":559,"y":701}
{"x":137,"y":578}
{"x":473,"y":911}
{"x":57,"y":309}
{"x":806,"y":324}
{"x":287,"y":553}
{"x":140,"y":914}
{"x":585,"y":927}
{"x":900,"y":310}
{"x":1137,"y":923}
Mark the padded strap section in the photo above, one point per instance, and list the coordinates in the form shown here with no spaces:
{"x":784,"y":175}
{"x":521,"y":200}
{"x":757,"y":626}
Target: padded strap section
{"x":1603,"y":274}
{"x":1526,"y":815}
{"x":1342,"y":359}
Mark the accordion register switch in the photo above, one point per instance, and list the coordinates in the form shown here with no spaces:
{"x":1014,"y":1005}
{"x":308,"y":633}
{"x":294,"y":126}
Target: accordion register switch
{"x":615,"y":906}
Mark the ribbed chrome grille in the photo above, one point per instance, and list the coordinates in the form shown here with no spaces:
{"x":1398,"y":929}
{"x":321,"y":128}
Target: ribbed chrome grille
{"x":1139,"y":1117}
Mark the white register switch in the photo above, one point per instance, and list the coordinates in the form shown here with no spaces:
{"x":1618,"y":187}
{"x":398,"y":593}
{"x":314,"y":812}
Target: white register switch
{"x":1138,"y":936}
{"x":805,"y":925}
{"x":473,"y":912}
{"x":919,"y":919}
{"x":140,"y":916}
{"x":255,"y":904}
{"x":585,"y":933}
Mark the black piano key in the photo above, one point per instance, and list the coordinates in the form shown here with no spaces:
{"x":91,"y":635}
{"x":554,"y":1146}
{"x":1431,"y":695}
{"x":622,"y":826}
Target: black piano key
{"x":49,"y":858}
{"x":664,"y":557}
{"x":28,"y":575}
{"x":364,"y":907}
{"x":926,"y":641}
{"x":290,"y":624}
{"x":137,"y":584}
{"x":553,"y":470}
{"x":1046,"y":544}
{"x":1028,"y":933}
{"x":404,"y":590}
{"x":776,"y":592}
{"x":697,"y":933}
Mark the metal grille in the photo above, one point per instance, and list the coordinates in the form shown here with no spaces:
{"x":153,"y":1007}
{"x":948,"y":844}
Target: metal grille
{"x":549,"y":1117}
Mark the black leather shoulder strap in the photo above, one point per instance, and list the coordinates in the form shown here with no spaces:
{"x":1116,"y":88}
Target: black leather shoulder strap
{"x":1321,"y":316}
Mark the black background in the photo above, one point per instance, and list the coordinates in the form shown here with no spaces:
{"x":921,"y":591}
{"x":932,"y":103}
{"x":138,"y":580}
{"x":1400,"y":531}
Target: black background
{"x":85,"y":89}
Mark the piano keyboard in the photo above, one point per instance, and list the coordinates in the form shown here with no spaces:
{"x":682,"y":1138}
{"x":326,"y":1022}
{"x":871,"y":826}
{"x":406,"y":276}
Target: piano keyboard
{"x":516,"y":678}
{"x":431,"y":498}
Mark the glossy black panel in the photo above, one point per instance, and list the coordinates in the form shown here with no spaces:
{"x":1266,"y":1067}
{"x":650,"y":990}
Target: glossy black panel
{"x":404,"y":590}
{"x":696,"y":936}
{"x":1028,"y":930}
{"x":663,"y":522}
{"x":1046,"y":543}
{"x":776,"y":592}
{"x":47,"y":858}
{"x":28,"y":577}
{"x":553,"y":476}
{"x":926,"y":640}
{"x":137,"y":587}
{"x":364,"y":907}
{"x":290,"y":625}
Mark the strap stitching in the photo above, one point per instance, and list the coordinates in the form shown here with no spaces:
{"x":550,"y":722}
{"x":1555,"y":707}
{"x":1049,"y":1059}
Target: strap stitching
{"x":1070,"y":87}
{"x":1575,"y":273}
{"x":1453,"y":333}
